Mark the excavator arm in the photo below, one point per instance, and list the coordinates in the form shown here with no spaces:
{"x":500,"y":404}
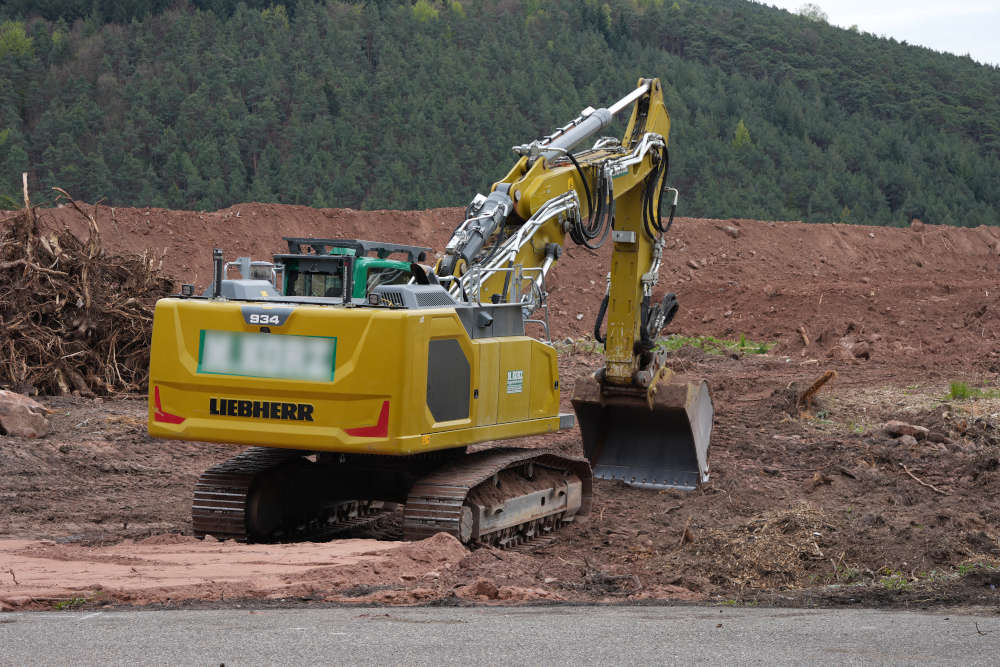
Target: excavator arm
{"x":639,"y":422}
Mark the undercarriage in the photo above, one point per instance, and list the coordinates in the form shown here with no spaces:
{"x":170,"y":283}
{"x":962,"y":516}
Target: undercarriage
{"x":499,"y":497}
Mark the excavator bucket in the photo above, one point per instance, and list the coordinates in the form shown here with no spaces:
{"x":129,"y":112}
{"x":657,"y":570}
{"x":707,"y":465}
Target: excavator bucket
{"x":654,"y":440}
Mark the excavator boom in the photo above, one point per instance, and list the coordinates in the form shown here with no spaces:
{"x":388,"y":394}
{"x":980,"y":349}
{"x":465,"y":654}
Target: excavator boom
{"x":638,"y":422}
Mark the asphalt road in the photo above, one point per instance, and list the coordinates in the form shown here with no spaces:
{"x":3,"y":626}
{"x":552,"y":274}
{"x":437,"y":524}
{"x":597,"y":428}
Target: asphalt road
{"x":509,"y":635}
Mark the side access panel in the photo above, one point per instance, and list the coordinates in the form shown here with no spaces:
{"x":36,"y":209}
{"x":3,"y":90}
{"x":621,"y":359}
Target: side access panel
{"x":513,"y":387}
{"x":485,"y":396}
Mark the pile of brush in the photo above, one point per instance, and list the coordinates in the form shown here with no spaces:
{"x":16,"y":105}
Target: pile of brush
{"x":73,"y":319}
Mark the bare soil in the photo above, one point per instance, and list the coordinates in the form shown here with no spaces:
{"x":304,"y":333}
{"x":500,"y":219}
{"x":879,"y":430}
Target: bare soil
{"x":822,"y":508}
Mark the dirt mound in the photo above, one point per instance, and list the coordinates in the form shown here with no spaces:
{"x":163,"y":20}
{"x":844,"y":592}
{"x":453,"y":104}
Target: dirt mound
{"x":159,"y":570}
{"x":485,"y":590}
{"x":185,"y":238}
{"x":819,"y":291}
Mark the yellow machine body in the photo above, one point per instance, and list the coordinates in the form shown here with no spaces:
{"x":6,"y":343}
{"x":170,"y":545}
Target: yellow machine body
{"x":383,"y":377}
{"x":392,"y":381}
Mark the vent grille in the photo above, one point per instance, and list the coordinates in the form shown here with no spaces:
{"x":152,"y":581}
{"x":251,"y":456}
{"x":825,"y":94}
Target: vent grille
{"x":413,"y":296}
{"x":395,"y":298}
{"x":428,"y":299}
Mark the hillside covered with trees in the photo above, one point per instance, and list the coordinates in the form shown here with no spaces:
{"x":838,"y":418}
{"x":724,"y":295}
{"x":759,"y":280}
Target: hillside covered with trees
{"x":403,"y":104}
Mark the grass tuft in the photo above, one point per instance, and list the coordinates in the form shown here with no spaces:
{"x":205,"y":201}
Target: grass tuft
{"x":714,"y":345}
{"x":72,"y":603}
{"x":969,"y":567}
{"x":895,"y":581}
{"x":961,"y":391}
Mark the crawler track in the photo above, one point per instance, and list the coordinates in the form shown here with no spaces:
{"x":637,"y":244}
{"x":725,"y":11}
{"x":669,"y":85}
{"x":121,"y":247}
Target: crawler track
{"x":496,"y":497}
{"x":222,"y":492}
{"x":439,"y":502}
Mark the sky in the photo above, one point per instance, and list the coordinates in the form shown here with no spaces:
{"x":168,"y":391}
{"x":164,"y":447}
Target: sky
{"x":956,"y":26}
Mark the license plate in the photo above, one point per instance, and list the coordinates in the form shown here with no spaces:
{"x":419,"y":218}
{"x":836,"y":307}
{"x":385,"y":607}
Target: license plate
{"x":267,"y":355}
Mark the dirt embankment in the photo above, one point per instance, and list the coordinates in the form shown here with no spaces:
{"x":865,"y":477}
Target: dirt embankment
{"x":825,"y":507}
{"x":928,"y":291}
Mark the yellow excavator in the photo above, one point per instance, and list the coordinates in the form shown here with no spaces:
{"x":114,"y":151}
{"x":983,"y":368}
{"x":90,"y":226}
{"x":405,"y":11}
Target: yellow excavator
{"x":359,"y":401}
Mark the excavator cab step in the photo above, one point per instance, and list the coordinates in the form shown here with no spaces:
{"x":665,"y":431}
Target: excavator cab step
{"x":654,"y":440}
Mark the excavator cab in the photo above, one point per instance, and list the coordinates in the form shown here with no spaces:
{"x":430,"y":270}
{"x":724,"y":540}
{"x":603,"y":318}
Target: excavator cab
{"x":318,"y":267}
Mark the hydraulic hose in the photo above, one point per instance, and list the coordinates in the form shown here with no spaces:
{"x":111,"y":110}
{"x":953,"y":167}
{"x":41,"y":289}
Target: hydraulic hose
{"x":673,"y":206}
{"x":600,"y":320}
{"x":602,"y":211}
{"x":583,"y":179}
{"x":652,"y":198}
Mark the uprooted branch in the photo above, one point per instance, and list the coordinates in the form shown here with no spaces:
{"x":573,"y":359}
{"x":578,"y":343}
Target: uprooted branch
{"x":73,"y":318}
{"x":804,"y":401}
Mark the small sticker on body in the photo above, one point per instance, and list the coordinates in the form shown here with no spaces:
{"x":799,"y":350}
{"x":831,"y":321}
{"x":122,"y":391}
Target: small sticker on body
{"x":515,"y":382}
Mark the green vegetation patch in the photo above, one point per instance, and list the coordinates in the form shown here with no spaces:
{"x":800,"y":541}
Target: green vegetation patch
{"x":71,"y":603}
{"x":895,"y":581}
{"x":961,"y":391}
{"x":971,"y":567}
{"x":713,"y":345}
{"x":775,"y":116}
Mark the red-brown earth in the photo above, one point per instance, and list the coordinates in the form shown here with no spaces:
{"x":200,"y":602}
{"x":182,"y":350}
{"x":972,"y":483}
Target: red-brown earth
{"x":822,"y":508}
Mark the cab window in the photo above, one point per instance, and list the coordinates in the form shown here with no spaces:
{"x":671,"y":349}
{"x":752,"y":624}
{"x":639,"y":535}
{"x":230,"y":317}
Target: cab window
{"x":314,"y":283}
{"x":385,"y":275}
